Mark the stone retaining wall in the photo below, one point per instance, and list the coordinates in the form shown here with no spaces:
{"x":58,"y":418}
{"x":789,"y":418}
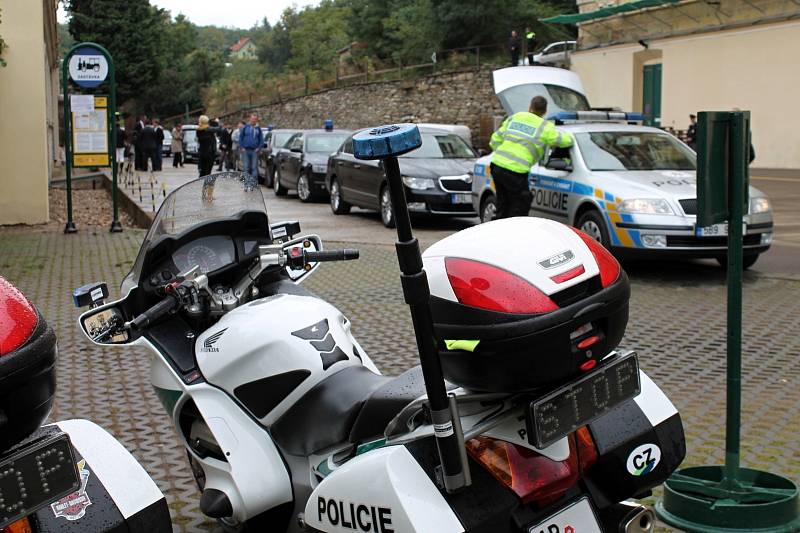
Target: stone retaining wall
{"x":460,"y":97}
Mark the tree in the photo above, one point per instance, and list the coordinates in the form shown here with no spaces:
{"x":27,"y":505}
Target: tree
{"x":132,"y":31}
{"x":318,"y":36}
{"x":412,"y":31}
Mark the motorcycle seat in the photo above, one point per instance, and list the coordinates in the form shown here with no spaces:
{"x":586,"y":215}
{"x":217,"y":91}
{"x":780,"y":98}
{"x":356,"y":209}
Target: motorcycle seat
{"x":351,"y":405}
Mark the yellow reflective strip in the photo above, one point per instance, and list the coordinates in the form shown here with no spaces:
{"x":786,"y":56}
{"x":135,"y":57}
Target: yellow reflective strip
{"x":467,"y":346}
{"x":610,"y":206}
{"x":598,"y":193}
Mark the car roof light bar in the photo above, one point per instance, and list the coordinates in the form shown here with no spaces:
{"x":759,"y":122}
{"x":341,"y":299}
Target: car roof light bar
{"x":596,"y":116}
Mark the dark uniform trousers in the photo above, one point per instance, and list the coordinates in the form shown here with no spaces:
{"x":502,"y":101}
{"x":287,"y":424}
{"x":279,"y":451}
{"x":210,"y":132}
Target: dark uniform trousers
{"x":513,"y":194}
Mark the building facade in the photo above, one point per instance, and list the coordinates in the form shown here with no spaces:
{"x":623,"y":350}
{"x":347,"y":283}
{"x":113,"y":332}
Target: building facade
{"x":29,"y":89}
{"x":670,"y":58}
{"x":244,"y":49}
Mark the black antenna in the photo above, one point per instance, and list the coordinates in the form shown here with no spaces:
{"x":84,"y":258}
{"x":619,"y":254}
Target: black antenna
{"x":386,"y":143}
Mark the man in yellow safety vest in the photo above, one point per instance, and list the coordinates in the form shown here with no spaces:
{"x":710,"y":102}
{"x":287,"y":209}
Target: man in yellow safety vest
{"x":518,"y":145}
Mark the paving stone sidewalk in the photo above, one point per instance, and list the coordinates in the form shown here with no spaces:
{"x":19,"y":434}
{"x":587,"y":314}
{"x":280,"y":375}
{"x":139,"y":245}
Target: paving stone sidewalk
{"x":677,"y":325}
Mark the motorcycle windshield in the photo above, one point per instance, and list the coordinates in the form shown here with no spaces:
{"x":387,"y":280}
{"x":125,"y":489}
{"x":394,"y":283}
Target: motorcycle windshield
{"x":220,"y":196}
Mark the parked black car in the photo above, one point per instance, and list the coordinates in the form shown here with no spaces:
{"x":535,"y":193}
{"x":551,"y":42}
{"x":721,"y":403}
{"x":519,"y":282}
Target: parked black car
{"x":274,"y":141}
{"x":437,"y":178}
{"x":302,"y":165}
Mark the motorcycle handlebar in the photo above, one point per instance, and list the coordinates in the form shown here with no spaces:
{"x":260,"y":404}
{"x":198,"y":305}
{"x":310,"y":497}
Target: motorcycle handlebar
{"x":333,"y":255}
{"x":167,"y":305}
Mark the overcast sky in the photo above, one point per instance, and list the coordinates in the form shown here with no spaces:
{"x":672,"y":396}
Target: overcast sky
{"x":233,"y":13}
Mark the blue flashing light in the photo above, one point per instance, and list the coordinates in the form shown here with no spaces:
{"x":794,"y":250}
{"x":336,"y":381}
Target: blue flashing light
{"x":386,"y":141}
{"x":564,"y":115}
{"x":328,"y":125}
{"x":638,"y":117}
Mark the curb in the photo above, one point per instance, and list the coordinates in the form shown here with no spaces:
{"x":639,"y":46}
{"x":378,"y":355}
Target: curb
{"x":140,"y":217}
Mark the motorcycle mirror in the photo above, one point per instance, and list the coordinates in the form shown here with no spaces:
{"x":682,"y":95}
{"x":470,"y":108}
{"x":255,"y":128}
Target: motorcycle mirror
{"x":103,"y":325}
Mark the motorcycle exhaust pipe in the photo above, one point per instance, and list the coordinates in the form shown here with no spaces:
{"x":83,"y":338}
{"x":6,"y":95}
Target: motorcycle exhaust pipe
{"x":628,"y":517}
{"x":641,"y":519}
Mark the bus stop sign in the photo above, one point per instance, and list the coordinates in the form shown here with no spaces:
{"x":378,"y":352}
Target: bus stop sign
{"x":88,"y":67}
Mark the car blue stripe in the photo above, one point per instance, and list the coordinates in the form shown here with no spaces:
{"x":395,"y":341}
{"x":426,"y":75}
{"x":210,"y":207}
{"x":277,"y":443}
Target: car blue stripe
{"x":582,"y":189}
{"x":609,"y":198}
{"x":626,"y":217}
{"x":635,"y":235}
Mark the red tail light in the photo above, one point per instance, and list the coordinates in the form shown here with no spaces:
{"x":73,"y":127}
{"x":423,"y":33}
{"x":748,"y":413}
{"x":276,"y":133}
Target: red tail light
{"x":609,"y":266}
{"x":18,"y":318}
{"x":22,"y":525}
{"x":487,"y":287}
{"x":532,"y":476}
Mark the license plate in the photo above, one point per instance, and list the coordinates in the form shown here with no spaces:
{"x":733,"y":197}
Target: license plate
{"x":35,"y":476}
{"x":717,"y":230}
{"x":577,"y":404}
{"x":577,"y":518}
{"x":461,"y":198}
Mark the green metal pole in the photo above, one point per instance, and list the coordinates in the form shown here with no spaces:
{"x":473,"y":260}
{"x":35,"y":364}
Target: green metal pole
{"x":116,"y":226}
{"x":736,"y":197}
{"x":70,"y":226}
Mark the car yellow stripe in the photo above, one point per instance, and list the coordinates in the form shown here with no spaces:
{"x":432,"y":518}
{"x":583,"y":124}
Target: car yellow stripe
{"x":622,"y":234}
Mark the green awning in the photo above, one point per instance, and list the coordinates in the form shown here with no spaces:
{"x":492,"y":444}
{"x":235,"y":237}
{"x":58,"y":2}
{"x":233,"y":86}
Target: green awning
{"x":603,"y":12}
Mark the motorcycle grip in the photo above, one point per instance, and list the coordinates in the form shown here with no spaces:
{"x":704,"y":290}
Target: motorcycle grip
{"x":154,"y":313}
{"x":333,"y":255}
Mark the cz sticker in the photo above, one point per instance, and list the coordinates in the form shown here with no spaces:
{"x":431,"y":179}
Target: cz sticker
{"x":643,"y":459}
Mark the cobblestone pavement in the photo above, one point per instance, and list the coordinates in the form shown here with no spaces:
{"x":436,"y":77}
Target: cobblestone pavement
{"x":677,"y":325}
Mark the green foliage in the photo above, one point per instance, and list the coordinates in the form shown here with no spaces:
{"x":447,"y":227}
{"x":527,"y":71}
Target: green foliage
{"x":65,"y":40}
{"x":413,"y":32}
{"x":2,"y":46}
{"x":166,"y":64}
{"x":132,"y":31}
{"x":318,"y":35}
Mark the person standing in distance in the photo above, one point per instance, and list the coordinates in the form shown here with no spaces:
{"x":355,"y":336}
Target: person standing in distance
{"x":518,"y":145}
{"x":251,"y":139}
{"x":530,"y":44}
{"x":513,"y":48}
{"x":691,"y":132}
{"x":207,"y":145}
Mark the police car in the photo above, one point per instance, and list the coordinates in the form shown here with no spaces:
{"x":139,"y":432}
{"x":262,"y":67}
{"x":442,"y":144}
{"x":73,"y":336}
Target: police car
{"x":631,"y":187}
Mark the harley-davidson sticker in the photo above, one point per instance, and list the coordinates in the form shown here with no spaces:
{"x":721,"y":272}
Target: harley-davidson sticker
{"x":73,"y":506}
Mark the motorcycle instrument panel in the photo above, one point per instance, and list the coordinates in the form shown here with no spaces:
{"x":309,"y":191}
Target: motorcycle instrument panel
{"x":209,"y":253}
{"x":580,"y":402}
{"x":36,"y":475}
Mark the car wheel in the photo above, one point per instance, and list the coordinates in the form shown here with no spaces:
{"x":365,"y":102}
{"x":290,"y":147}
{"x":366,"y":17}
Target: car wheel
{"x":747,"y":261}
{"x":591,"y":223}
{"x":488,"y":209}
{"x":338,"y":205}
{"x":385,"y":200}
{"x":304,"y":188}
{"x":280,"y":190}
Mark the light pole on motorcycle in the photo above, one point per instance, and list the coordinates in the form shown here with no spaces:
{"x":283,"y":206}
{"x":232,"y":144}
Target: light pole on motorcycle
{"x":386,"y":143}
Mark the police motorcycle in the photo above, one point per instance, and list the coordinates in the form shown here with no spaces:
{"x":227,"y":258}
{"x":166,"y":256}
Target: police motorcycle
{"x":68,"y":476}
{"x":521,"y":417}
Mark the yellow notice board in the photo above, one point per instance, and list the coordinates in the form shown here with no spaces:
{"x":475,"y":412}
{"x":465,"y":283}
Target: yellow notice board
{"x":90,"y":135}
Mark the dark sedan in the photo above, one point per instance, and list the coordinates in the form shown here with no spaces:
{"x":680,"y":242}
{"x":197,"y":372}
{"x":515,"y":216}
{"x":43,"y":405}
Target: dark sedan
{"x":274,"y":141}
{"x":437,"y":178}
{"x":303,"y":163}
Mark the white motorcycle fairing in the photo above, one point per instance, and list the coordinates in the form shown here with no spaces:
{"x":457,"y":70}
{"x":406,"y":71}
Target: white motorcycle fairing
{"x":382,"y":491}
{"x":249,"y":353}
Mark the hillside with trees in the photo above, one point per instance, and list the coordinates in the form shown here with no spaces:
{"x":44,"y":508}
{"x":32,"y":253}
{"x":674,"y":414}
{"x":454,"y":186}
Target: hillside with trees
{"x":166,"y":64}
